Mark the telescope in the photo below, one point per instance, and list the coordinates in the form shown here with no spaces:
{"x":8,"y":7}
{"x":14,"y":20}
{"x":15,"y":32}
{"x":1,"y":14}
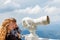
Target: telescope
{"x":31,"y":25}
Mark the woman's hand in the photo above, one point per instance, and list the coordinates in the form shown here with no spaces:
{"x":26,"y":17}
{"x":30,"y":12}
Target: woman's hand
{"x":19,"y":35}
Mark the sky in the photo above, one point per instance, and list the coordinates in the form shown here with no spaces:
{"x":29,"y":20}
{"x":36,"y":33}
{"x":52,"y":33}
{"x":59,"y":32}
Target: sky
{"x":19,"y":9}
{"x":30,"y":8}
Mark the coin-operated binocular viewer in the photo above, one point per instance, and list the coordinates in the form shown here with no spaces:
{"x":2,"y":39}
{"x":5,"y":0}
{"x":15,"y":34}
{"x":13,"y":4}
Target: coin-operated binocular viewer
{"x":31,"y":25}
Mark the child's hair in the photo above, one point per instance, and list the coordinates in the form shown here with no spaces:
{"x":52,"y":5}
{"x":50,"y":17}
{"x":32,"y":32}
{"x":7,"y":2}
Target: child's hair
{"x":3,"y":28}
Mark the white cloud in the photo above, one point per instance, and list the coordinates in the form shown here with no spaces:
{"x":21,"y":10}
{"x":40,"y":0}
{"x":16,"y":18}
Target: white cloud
{"x":56,"y":1}
{"x":36,"y":9}
{"x":30,"y":10}
{"x":2,"y":1}
{"x":7,"y":1}
{"x":12,"y":3}
{"x":8,"y":6}
{"x":52,"y":10}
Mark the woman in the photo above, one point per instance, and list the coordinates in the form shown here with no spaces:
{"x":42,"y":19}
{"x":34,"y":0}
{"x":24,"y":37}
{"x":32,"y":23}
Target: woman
{"x":7,"y":26}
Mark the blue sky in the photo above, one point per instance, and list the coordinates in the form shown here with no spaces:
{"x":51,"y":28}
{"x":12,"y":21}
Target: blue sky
{"x":32,"y":8}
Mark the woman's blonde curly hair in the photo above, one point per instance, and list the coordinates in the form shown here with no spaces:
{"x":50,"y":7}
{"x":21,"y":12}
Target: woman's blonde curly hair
{"x":3,"y":29}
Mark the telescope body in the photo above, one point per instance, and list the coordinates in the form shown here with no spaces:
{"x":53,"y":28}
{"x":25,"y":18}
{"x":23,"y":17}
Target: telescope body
{"x":26,"y":22}
{"x":31,"y":25}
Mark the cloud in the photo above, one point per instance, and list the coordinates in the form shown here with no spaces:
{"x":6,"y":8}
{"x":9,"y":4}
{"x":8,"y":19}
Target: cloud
{"x":30,"y":10}
{"x":8,"y":6}
{"x":52,"y":10}
{"x":7,"y":1}
{"x":55,"y":3}
{"x":12,"y":3}
{"x":2,"y":1}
